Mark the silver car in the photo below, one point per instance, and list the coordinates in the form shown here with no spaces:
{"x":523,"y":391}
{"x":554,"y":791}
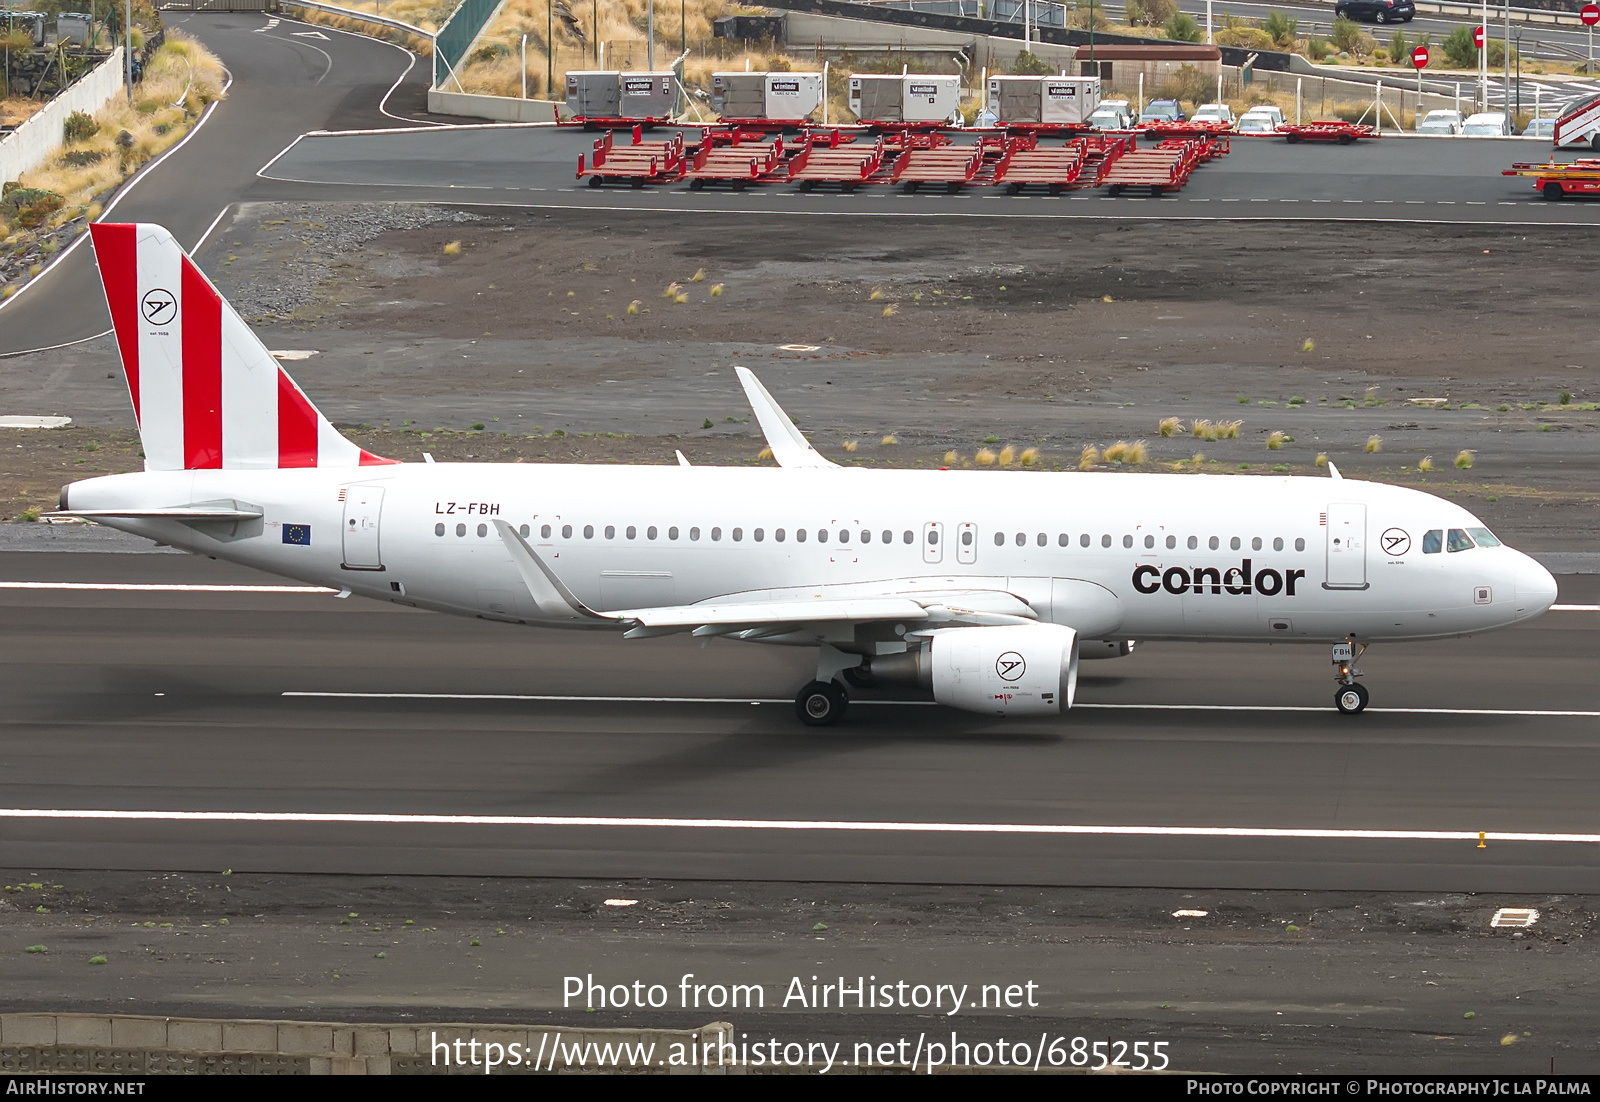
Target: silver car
{"x":1443,"y":123}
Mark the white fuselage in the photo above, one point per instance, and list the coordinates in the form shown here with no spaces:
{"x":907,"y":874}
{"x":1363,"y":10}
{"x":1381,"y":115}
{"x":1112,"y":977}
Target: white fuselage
{"x":1116,"y":556}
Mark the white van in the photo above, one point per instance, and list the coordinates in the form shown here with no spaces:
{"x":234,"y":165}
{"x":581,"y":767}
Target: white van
{"x":1487,"y":124}
{"x":1264,"y":119}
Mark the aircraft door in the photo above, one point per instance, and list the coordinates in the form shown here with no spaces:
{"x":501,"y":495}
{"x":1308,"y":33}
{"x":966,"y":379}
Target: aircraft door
{"x":933,"y":542}
{"x":1347,"y":546}
{"x":967,"y":543}
{"x":363,"y":506}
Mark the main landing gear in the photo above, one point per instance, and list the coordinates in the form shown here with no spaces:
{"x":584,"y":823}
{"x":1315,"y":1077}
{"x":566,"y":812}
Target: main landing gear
{"x":1350,"y":697}
{"x":823,"y":702}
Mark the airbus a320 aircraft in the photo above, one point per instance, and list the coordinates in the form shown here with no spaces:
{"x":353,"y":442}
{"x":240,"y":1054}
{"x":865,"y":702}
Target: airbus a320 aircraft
{"x":985,"y":587}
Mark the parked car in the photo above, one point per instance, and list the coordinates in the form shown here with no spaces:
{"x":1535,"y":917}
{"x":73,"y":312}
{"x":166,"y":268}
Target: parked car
{"x":1213,"y":112}
{"x":1265,"y":119}
{"x":1442,"y":123}
{"x":1379,"y":11}
{"x":1487,"y":124}
{"x":1162,"y":110}
{"x":1108,"y":116}
{"x":1541,"y":128}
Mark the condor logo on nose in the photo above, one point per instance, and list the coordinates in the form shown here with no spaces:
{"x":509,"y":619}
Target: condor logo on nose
{"x":1237,"y":580}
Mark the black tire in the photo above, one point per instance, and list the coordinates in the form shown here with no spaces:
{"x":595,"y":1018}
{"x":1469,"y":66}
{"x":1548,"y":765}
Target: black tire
{"x":738,"y":185}
{"x":1055,"y":189}
{"x":807,"y":185}
{"x":1351,"y":699}
{"x":1347,"y":139}
{"x":1594,"y":143}
{"x":1114,"y":190}
{"x":1157,"y":192}
{"x":821,"y":704}
{"x":1553,"y":190}
{"x":696,"y":184}
{"x":910,"y":186}
{"x":1291,"y":138}
{"x":1381,"y":17}
{"x":847,"y":188}
{"x":952,"y":186}
{"x":1013,"y":189}
{"x":594,"y":181}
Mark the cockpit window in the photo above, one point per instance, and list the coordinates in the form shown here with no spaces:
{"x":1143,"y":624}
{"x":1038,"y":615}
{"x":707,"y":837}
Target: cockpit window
{"x":1459,"y":540}
{"x":1433,"y":542}
{"x":1483,"y":537}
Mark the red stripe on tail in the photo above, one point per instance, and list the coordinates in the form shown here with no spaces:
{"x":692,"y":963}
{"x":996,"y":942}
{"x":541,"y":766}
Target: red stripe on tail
{"x":297,"y":426}
{"x":116,"y":249}
{"x":202,"y":371}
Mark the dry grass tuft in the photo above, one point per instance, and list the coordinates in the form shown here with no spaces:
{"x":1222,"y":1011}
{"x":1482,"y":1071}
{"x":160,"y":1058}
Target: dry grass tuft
{"x":1322,"y":459}
{"x":984,"y":458}
{"x":1309,"y":346}
{"x":888,"y":440}
{"x":1197,"y":459}
{"x":633,"y":307}
{"x":699,"y":276}
{"x":1203,"y":429}
{"x":1275,"y":440}
{"x":1170,"y":426}
{"x":851,"y":445}
{"x":1088,"y":457}
{"x":890,"y":310}
{"x":1464,"y":459}
{"x":764,"y":453}
{"x":674,"y":289}
{"x":453,"y":249}
{"x":1228,"y":430}
{"x":681,"y":297}
{"x":716,"y":290}
{"x":877,"y":293}
{"x":1008,"y":455}
{"x":1138,"y":452}
{"x":1425,"y":464}
{"x":1374,"y":444}
{"x":1029,"y":457}
{"x":951,"y":458}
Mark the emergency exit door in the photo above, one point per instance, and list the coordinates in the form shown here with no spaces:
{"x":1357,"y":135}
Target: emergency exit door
{"x":363,"y":505}
{"x":1347,"y":547}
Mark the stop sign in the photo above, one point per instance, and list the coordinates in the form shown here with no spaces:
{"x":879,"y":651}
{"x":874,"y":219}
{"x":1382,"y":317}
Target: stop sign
{"x":1419,"y":57}
{"x":1590,"y":14}
{"x":1477,"y":37}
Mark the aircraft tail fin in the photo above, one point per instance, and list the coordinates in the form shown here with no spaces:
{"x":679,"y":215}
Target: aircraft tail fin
{"x":207,"y":394}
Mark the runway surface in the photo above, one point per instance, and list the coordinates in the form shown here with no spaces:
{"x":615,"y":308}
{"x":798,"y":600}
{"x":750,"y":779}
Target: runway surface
{"x":174,"y":701}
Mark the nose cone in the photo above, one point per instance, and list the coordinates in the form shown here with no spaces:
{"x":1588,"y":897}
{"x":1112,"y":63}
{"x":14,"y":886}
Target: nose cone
{"x":1536,"y":588}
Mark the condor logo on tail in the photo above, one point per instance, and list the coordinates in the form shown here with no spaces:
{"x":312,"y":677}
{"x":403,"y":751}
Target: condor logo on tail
{"x":1236,"y":580}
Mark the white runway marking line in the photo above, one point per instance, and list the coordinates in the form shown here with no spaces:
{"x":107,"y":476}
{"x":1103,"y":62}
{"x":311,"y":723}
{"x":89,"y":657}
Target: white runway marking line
{"x":164,"y":587}
{"x":557,"y":699}
{"x":848,"y":826}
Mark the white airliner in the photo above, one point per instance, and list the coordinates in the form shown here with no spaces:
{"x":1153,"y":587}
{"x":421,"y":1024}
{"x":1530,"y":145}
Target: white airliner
{"x":986,"y":587}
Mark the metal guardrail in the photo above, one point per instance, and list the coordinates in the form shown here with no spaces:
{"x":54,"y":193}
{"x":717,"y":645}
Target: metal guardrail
{"x":366,"y":16}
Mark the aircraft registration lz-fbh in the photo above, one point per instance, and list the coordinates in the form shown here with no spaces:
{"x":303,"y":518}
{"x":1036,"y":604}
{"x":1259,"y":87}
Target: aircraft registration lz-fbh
{"x":985,"y":587}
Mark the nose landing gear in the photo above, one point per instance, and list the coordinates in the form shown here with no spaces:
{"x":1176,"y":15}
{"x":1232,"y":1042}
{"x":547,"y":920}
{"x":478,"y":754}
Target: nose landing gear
{"x":1350,"y":698}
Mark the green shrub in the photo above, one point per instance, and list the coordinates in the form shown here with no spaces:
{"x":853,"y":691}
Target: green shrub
{"x":1182,"y":28}
{"x":79,"y":127}
{"x":1029,"y":64}
{"x":1248,"y":38}
{"x":1345,"y":35}
{"x":1282,"y":29}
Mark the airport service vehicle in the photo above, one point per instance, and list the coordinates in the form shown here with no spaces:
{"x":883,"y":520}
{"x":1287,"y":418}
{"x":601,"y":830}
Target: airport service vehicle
{"x":985,"y":587}
{"x":1487,"y":124}
{"x":1213,"y":112}
{"x":1162,"y":110}
{"x":1559,"y":180}
{"x":1579,"y":123}
{"x":1379,"y":11}
{"x":1442,"y":123}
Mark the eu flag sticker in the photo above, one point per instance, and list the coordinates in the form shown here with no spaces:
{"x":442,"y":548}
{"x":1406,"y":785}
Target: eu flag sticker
{"x":297,"y":533}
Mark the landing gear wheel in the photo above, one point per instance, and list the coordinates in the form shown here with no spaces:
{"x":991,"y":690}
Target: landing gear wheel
{"x":821,"y":704}
{"x":1350,"y":699}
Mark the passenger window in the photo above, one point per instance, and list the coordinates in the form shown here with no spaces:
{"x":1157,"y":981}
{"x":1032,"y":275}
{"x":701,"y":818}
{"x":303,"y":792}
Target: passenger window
{"x":1105,"y":540}
{"x":1127,"y":541}
{"x":777,"y":534}
{"x":1194,"y":541}
{"x":1277,"y":543}
{"x":544,"y":532}
{"x":438,"y":529}
{"x":933,"y":537}
{"x":1064,"y":540}
{"x":799,"y":535}
{"x":672,"y":533}
{"x":1433,"y":542}
{"x":966,"y":537}
{"x":1149,"y":542}
{"x":1255,"y":544}
{"x":738,"y":535}
{"x":999,"y":539}
{"x":822,"y":536}
{"x":632,"y":532}
{"x":909,"y":537}
{"x":650,"y":532}
{"x":716,"y":533}
{"x":461,"y":529}
{"x":866,"y":536}
{"x":1299,"y":545}
{"x":588,"y":531}
{"x":1042,"y":540}
{"x":844,"y":537}
{"x":1234,"y":543}
{"x":1172,"y":542}
{"x":566,"y":531}
{"x":1459,"y":540}
{"x":1483,"y":537}
{"x":760,"y":535}
{"x":483,"y":530}
{"x":1213,"y":543}
{"x":611,"y":531}
{"x":1022,"y":539}
{"x":523,"y":531}
{"x":694,"y":533}
{"x":1083,"y":540}
{"x":888,"y":536}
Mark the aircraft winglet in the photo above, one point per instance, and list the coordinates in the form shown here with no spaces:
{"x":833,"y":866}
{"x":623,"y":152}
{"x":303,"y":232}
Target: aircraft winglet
{"x":1333,"y":472}
{"x":549,"y":593}
{"x":789,"y":447}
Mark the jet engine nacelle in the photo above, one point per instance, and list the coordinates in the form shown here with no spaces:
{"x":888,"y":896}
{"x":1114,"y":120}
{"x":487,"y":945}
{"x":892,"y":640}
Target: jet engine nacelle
{"x":1027,"y":670}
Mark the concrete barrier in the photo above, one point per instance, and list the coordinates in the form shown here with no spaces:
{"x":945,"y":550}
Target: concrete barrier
{"x":498,"y":108}
{"x":32,"y":143}
{"x":127,"y":1044}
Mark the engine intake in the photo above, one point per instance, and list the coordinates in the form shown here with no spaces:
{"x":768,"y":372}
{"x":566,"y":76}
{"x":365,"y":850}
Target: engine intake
{"x":1025,"y":670}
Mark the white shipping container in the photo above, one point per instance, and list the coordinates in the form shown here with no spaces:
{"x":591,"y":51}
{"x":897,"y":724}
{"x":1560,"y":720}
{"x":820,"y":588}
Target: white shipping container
{"x":793,"y":95}
{"x":783,"y":96}
{"x":647,"y":95}
{"x":593,"y":93}
{"x":1068,"y":99}
{"x":920,"y":98}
